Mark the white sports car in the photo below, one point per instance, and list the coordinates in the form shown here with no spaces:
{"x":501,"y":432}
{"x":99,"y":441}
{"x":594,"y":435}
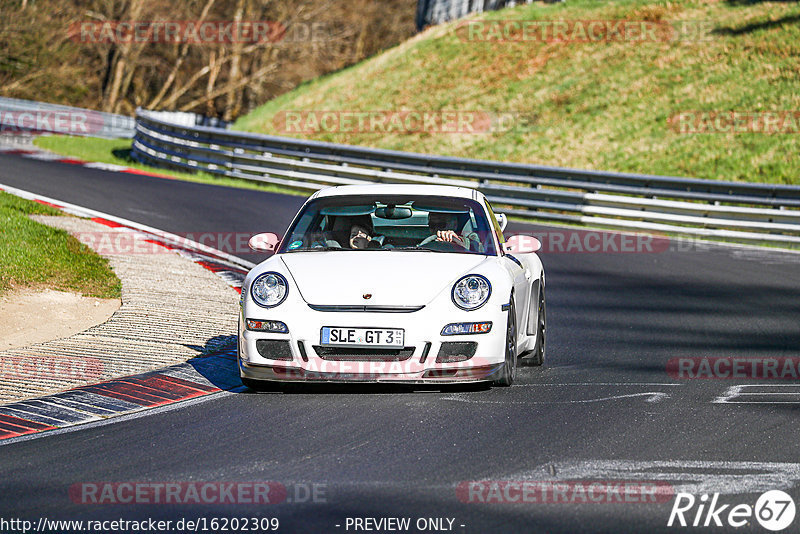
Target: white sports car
{"x":392,"y":283}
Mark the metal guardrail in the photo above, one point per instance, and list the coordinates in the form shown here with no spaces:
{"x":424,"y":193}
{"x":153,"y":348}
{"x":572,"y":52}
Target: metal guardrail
{"x":187,"y":118}
{"x":26,"y":117}
{"x":733,"y":210}
{"x":439,"y":11}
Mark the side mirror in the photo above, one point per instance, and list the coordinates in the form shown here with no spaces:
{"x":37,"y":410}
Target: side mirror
{"x":522,"y":244}
{"x":502,"y":220}
{"x":266,"y":242}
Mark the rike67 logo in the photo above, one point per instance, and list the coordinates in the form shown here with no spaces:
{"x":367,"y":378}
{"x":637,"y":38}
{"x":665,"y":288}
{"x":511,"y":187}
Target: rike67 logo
{"x":774,"y":510}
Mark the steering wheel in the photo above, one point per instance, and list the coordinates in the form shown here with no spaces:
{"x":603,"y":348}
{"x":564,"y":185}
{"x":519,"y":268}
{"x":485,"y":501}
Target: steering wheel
{"x":445,"y":246}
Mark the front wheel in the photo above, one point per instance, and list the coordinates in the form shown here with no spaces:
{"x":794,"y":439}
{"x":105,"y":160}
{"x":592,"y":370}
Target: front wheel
{"x":509,"y":369}
{"x":537,"y":358}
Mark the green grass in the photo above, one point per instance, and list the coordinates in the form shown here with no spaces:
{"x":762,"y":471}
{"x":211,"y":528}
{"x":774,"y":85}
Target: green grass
{"x":601,"y":106}
{"x":33,"y":255}
{"x":117,"y":152}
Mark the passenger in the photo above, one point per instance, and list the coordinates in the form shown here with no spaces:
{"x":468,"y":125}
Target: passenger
{"x":347,"y":232}
{"x":361,"y":232}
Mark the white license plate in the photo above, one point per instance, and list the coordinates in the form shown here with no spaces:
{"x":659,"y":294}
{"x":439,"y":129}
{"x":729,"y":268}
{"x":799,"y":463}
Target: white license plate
{"x":362,"y":337}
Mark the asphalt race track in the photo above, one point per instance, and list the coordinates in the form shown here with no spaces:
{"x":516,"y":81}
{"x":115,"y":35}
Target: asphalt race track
{"x":603,"y":408}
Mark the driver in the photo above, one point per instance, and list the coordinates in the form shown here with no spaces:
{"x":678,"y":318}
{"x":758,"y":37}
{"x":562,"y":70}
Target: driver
{"x":443,"y":227}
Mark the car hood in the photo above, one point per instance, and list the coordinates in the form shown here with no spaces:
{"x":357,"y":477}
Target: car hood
{"x":392,"y":278}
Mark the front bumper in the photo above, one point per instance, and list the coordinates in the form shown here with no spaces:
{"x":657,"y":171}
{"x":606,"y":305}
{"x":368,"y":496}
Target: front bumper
{"x":356,"y":374}
{"x":417,"y":364}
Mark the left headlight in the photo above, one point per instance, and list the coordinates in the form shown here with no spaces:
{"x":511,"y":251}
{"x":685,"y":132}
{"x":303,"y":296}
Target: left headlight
{"x":471,"y":292}
{"x":269,"y":289}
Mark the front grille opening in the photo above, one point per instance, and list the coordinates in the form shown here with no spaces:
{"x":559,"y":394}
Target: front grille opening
{"x":274,"y":349}
{"x":359,"y":354}
{"x":456,"y":351}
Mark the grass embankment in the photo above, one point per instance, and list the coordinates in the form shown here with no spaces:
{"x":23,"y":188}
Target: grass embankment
{"x":117,"y":152}
{"x":33,"y":255}
{"x":595,"y":105}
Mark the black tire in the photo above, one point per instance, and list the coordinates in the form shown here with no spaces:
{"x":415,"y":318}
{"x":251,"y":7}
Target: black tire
{"x":537,"y":355}
{"x":509,"y":370}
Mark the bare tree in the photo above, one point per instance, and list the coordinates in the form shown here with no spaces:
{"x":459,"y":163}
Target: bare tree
{"x":42,"y":56}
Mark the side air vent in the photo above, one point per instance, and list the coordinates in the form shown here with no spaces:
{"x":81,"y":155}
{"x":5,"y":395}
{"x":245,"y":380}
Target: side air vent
{"x":274,"y":349}
{"x":456,"y":351}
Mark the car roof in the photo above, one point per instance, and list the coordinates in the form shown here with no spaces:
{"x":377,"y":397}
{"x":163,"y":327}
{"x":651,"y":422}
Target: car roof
{"x":397,"y":189}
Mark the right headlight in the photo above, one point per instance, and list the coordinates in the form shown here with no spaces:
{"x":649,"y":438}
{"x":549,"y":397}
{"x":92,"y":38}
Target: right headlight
{"x":471,"y":292}
{"x":269,"y":289}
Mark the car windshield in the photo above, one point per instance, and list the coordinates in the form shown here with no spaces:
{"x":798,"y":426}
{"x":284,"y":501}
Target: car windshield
{"x":407,"y":223}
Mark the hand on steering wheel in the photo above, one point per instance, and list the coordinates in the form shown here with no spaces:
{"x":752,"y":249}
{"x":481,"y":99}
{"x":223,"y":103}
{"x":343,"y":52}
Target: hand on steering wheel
{"x":443,"y":246}
{"x":449,"y":236}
